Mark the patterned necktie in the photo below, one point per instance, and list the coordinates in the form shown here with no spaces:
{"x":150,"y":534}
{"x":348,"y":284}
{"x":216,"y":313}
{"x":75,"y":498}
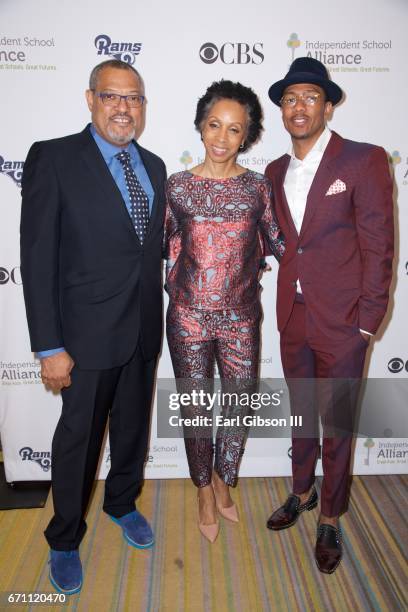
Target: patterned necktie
{"x":139,"y":202}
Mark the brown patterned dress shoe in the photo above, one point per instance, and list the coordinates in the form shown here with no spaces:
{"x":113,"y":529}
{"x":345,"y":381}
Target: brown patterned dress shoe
{"x":288,"y":514}
{"x":328,"y":552}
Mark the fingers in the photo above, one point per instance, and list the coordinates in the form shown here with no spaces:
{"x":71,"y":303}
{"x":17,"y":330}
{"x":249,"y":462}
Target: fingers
{"x":56,"y":385}
{"x":56,"y":370}
{"x":67,"y":381}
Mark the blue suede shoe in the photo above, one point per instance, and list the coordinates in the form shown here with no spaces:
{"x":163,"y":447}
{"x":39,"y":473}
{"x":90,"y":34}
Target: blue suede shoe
{"x":65,"y":571}
{"x":136,"y":530}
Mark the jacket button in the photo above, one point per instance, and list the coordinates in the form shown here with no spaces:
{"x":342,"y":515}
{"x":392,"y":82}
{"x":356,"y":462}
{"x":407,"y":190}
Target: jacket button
{"x":300,"y":250}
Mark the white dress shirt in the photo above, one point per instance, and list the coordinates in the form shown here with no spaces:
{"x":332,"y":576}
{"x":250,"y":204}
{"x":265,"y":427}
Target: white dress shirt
{"x":298,"y":180}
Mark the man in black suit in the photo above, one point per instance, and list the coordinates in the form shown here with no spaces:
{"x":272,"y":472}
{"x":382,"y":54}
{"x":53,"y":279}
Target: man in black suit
{"x":91,"y":245}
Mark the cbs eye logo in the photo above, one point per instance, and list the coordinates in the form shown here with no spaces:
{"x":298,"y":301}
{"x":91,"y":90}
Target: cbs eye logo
{"x":396,"y":365}
{"x":208,"y":53}
{"x":232,"y":53}
{"x":14,"y":276}
{"x":290,"y":451}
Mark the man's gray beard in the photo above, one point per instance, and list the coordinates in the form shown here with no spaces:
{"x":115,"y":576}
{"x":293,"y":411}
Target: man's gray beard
{"x":121,"y":140}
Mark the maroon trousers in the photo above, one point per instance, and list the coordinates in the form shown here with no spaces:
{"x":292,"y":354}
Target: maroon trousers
{"x":323,"y":379}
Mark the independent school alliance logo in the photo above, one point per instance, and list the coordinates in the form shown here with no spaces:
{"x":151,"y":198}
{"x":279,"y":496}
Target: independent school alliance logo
{"x":124,"y":51}
{"x":368,"y":55}
{"x":107,"y":458}
{"x":19,"y":372}
{"x":12,"y":169}
{"x":399,"y":163}
{"x":293,"y":43}
{"x":43,"y":458}
{"x":395,"y":158}
{"x":386,"y":452}
{"x":186,"y":159}
{"x":250,"y":161}
{"x":18,"y":53}
{"x":154,"y":461}
{"x":368,"y":444}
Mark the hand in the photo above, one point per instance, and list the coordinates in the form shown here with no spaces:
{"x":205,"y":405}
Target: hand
{"x":366,"y":336}
{"x":56,"y":370}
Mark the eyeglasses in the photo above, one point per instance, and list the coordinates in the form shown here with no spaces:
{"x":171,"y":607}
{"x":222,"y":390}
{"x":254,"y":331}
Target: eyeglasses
{"x":113,"y":99}
{"x":292,"y":99}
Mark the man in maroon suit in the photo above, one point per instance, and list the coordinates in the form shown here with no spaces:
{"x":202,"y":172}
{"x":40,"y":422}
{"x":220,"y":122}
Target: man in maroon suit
{"x":333,"y":200}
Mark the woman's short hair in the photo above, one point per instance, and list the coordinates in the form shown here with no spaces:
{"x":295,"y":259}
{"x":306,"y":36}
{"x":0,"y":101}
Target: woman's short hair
{"x":221,"y":90}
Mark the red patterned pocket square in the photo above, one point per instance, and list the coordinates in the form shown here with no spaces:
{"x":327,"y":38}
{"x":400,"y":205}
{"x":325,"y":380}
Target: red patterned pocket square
{"x":337,"y":187}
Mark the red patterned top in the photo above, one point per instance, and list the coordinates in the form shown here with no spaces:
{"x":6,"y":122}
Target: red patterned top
{"x":216,"y":233}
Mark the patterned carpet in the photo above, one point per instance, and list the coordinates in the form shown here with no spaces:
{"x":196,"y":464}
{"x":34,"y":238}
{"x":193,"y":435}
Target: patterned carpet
{"x":247,"y":569}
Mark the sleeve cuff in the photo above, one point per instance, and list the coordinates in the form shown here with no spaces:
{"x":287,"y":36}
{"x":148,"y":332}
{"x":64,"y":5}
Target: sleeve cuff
{"x":50,"y":352}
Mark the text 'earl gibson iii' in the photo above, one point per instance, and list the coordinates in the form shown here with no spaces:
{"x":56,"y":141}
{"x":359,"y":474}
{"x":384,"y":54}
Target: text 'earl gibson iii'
{"x":236,"y":421}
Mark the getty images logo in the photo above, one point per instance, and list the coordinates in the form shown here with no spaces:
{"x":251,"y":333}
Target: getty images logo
{"x":232,"y":53}
{"x":124,"y":51}
{"x":43,"y":458}
{"x":13,"y":169}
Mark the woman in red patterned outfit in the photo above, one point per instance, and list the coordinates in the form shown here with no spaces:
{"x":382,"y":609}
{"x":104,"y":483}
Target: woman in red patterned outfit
{"x":219,"y":224}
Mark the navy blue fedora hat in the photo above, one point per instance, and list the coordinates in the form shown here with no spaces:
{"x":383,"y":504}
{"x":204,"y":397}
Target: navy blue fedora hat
{"x":306,"y":70}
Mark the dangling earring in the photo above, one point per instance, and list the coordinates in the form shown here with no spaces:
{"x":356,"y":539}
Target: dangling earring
{"x":241,"y":146}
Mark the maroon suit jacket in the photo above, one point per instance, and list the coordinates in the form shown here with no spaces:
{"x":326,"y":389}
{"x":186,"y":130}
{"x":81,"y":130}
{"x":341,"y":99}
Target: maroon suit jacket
{"x":343,"y":254}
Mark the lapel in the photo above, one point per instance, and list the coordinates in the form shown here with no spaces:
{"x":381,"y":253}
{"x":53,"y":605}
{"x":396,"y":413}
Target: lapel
{"x":281,"y":201}
{"x":111,"y":193}
{"x":103,"y":179}
{"x":323,"y":178}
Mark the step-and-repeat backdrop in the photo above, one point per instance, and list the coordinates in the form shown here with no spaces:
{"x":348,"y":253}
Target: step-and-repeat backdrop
{"x":47,"y":50}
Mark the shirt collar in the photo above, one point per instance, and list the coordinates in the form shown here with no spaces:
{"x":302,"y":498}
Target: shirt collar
{"x":318,"y":148}
{"x":109,"y":150}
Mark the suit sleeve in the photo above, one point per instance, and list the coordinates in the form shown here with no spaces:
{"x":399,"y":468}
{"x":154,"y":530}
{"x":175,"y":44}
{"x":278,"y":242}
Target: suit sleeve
{"x":375,"y":226}
{"x":39,"y":241}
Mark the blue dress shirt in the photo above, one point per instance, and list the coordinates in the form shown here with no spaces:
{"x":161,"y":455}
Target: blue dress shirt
{"x":109,"y":151}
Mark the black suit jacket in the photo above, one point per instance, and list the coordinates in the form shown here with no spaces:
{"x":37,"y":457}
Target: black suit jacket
{"x":89,"y":285}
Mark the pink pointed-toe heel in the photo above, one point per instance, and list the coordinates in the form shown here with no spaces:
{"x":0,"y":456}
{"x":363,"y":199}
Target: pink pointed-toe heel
{"x":210,"y":532}
{"x":230,"y":512}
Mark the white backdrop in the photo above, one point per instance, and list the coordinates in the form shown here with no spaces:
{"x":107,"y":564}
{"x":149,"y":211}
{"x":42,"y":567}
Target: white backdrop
{"x":47,"y":50}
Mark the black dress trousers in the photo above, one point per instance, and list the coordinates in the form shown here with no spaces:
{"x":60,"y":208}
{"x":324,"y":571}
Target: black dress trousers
{"x":124,"y":394}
